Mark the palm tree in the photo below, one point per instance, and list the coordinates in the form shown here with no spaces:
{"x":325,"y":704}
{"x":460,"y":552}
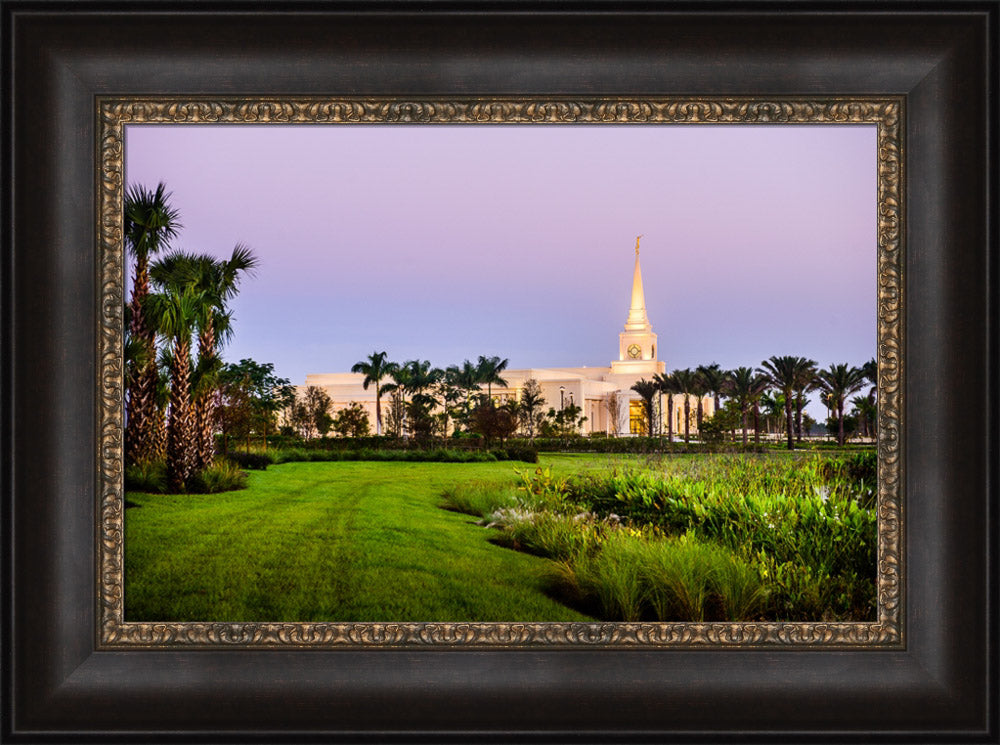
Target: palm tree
{"x":420,"y":376}
{"x":489,"y":369}
{"x":772,"y":406}
{"x":668,"y":388}
{"x":375,"y":369}
{"x":176,"y":314}
{"x":805,"y":380}
{"x":417,"y":377}
{"x":699,"y":389}
{"x":782,"y":373}
{"x":647,"y":390}
{"x":865,"y":410}
{"x":217,"y":280}
{"x":465,"y":378}
{"x":714,"y":379}
{"x":149,"y":225}
{"x":745,"y":386}
{"x":839,"y":382}
{"x":686,"y":382}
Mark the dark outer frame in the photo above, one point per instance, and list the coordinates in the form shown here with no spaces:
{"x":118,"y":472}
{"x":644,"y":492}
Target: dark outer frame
{"x":57,"y":57}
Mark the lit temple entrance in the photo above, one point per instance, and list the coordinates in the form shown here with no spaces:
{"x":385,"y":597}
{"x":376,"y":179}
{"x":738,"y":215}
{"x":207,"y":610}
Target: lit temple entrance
{"x":636,"y":418}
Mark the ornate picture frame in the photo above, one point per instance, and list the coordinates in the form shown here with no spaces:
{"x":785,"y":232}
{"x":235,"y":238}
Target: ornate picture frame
{"x":67,"y":673}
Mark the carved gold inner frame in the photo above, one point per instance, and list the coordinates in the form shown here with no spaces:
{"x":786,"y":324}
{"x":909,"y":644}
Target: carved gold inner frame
{"x":114,"y":113}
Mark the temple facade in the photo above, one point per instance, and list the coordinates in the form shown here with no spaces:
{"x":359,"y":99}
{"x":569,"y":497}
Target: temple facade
{"x":590,"y":388}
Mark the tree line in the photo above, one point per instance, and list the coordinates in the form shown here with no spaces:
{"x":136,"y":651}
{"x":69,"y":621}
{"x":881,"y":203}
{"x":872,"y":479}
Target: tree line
{"x":780,"y":382}
{"x":178,"y":391}
{"x":426,"y":401}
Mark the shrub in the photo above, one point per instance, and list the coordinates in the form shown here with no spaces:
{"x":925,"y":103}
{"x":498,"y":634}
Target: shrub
{"x":722,"y":538}
{"x":218,"y":477}
{"x":818,"y":537}
{"x":289,"y":455}
{"x":147,"y":476}
{"x":257,"y":461}
{"x":523,"y":453}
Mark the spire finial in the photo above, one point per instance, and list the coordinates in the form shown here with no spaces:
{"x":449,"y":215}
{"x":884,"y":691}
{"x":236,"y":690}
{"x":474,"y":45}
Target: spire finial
{"x":637,"y":244}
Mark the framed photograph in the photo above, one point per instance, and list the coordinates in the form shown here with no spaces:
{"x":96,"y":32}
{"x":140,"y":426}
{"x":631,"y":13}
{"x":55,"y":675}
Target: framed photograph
{"x":819,"y":567}
{"x":86,"y":84}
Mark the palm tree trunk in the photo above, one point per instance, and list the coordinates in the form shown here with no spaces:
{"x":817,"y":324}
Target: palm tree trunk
{"x":204,"y":407}
{"x":670,"y":417}
{"x":139,"y":433}
{"x":159,"y":429}
{"x":840,"y":423}
{"x":687,"y":420}
{"x":789,"y":424}
{"x":744,"y":426}
{"x":140,"y":436}
{"x":179,"y":450}
{"x":756,"y":423}
{"x":378,"y":409}
{"x":798,"y":419}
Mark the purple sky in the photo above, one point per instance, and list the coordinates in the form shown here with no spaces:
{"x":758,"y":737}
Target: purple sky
{"x":447,"y":242}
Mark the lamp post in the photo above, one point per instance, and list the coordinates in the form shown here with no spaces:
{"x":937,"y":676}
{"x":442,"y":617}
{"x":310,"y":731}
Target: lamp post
{"x":562,"y":394}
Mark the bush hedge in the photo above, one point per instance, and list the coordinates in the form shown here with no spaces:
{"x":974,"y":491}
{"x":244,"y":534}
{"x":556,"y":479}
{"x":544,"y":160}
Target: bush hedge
{"x":261,"y":459}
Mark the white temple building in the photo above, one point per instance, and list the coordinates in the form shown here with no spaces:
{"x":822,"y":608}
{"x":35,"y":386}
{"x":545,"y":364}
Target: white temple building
{"x":587,"y":387}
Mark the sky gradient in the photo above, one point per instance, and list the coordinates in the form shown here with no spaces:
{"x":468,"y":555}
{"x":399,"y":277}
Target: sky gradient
{"x":446,"y":242}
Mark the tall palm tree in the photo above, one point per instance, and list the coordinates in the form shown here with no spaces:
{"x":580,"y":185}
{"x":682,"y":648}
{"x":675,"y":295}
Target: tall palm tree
{"x":489,"y":369}
{"x":699,"y":390}
{"x":865,"y":411}
{"x":839,"y":382}
{"x":781,"y":373}
{"x":745,"y":386}
{"x":805,"y":380}
{"x":217,"y":280}
{"x":686,"y":381}
{"x":375,"y":369}
{"x":771,"y":405}
{"x":647,"y":390}
{"x":150,"y":223}
{"x":176,"y":314}
{"x":714,"y":379}
{"x":465,"y":378}
{"x":420,"y":377}
{"x":668,"y":388}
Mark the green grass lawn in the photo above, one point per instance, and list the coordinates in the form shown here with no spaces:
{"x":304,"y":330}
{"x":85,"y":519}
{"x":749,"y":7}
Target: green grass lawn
{"x":341,"y":541}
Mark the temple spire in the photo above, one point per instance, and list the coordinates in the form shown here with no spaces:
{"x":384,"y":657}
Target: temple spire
{"x":637,"y":318}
